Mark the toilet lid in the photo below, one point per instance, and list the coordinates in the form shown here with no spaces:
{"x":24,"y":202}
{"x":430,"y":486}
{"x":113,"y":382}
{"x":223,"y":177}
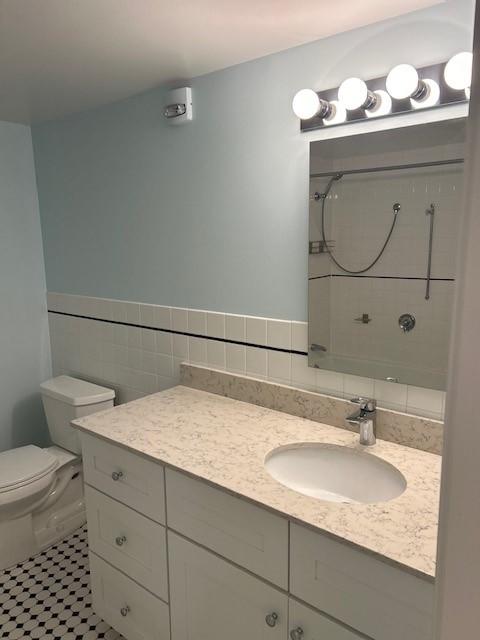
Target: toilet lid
{"x":24,"y":465}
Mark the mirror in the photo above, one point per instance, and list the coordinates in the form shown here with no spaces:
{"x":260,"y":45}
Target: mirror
{"x":384,"y":221}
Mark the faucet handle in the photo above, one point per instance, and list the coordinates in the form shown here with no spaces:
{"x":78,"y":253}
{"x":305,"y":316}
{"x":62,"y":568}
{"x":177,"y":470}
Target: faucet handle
{"x":366,"y":404}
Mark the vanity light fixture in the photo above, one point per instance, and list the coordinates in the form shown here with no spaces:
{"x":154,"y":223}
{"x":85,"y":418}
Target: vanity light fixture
{"x":306,"y":104}
{"x":403,"y":82}
{"x":382,"y":107}
{"x":354,"y":94}
{"x":403,"y":90}
{"x":338,"y":114}
{"x":458,"y":72}
{"x":430,"y":98}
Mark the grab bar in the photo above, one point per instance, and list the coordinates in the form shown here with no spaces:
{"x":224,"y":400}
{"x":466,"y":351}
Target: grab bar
{"x":429,"y":212}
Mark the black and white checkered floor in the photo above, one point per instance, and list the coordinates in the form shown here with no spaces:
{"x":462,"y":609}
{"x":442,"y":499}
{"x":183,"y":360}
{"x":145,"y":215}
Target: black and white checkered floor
{"x":48,"y":596}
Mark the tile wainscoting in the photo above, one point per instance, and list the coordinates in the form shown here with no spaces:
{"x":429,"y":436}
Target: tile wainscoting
{"x":138,"y":348}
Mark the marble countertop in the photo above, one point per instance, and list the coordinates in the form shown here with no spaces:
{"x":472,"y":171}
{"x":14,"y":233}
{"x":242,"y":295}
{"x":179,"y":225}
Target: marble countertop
{"x":225,"y":442}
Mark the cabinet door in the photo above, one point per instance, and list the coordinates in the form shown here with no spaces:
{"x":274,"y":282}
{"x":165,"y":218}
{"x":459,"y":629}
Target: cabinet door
{"x":380,"y":600}
{"x":131,"y":610}
{"x":307,"y":624}
{"x":211,"y":599}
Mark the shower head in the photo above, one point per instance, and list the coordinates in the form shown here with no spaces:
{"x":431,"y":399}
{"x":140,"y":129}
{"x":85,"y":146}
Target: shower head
{"x":396,"y":208}
{"x":334,"y":178}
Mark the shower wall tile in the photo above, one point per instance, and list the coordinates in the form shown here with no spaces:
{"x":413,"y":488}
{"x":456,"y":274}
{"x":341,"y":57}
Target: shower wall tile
{"x":134,"y":360}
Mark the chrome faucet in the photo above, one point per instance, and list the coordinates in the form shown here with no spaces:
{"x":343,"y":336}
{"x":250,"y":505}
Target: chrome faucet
{"x":366,"y":420}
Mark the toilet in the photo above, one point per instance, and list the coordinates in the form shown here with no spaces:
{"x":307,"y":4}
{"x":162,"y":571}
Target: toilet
{"x":41,"y":490}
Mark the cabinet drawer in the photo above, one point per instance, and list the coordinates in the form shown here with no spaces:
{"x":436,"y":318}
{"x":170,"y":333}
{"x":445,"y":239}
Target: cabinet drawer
{"x":249,"y":536}
{"x":130,"y":609}
{"x":361,"y":591}
{"x":131,"y":542}
{"x":126,"y":476}
{"x":214,"y":600}
{"x":311,"y":625}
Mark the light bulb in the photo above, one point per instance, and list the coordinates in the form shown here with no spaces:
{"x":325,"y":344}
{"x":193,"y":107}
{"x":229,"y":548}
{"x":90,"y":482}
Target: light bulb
{"x":403,"y":82}
{"x":338,"y":114}
{"x":431,"y":96}
{"x":353,"y":94}
{"x":458,"y":71}
{"x":383,"y":105}
{"x":306,"y":104}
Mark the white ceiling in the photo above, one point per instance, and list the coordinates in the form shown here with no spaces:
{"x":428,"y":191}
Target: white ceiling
{"x":62,"y":56}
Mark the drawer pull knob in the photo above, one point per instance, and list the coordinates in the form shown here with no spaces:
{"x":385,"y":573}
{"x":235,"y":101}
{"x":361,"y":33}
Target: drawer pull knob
{"x":120,"y":540}
{"x":271,"y":619}
{"x":124,"y":611}
{"x":296,"y":634}
{"x":116,"y":475}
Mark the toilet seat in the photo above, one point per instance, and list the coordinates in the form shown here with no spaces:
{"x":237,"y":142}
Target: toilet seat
{"x":24,"y":467}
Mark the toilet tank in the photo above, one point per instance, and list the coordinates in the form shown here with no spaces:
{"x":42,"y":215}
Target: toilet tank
{"x":65,"y":399}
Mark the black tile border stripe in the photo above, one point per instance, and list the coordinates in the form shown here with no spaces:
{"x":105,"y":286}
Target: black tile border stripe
{"x":180,"y":333}
{"x":348,"y":275}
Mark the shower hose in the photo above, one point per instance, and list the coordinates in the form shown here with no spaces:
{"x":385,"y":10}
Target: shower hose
{"x":323,"y":197}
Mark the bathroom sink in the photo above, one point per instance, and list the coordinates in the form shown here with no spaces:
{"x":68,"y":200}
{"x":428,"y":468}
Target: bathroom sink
{"x":335,"y":473}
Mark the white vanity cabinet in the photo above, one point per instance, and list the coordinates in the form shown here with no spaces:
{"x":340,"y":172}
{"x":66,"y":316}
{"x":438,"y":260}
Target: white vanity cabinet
{"x":173,"y":558}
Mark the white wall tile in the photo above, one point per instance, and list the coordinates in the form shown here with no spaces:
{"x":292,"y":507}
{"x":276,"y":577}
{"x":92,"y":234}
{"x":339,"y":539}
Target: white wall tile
{"x":179,"y":319}
{"x":329,"y":382}
{"x":118,"y":310}
{"x":300,"y":336}
{"x":197,"y":350}
{"x":134,"y":337}
{"x":235,"y":327}
{"x":164,"y":383}
{"x":148,"y":339}
{"x":358,"y":386}
{"x":120,"y":334}
{"x":197,"y":322}
{"x":256,"y":330}
{"x":236,"y":358}
{"x":132,"y":312}
{"x":164,"y":365}
{"x":428,"y":402}
{"x":120,"y":355}
{"x":216,"y":325}
{"x":303,"y":375}
{"x":147,"y":315}
{"x":279,"y":365}
{"x":164,"y":342}
{"x":216,"y":354}
{"x":391,"y":395}
{"x":176,"y":368}
{"x":279,"y":334}
{"x":54,"y":302}
{"x":149,"y":362}
{"x":180,"y":346}
{"x":256,"y":362}
{"x":163,"y":317}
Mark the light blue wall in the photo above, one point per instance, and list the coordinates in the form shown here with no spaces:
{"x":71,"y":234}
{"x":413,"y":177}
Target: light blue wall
{"x":24,"y":341}
{"x":212,"y":214}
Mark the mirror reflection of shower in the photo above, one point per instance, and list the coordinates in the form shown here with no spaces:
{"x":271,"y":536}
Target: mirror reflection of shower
{"x":382,"y":259}
{"x":322,"y":198}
